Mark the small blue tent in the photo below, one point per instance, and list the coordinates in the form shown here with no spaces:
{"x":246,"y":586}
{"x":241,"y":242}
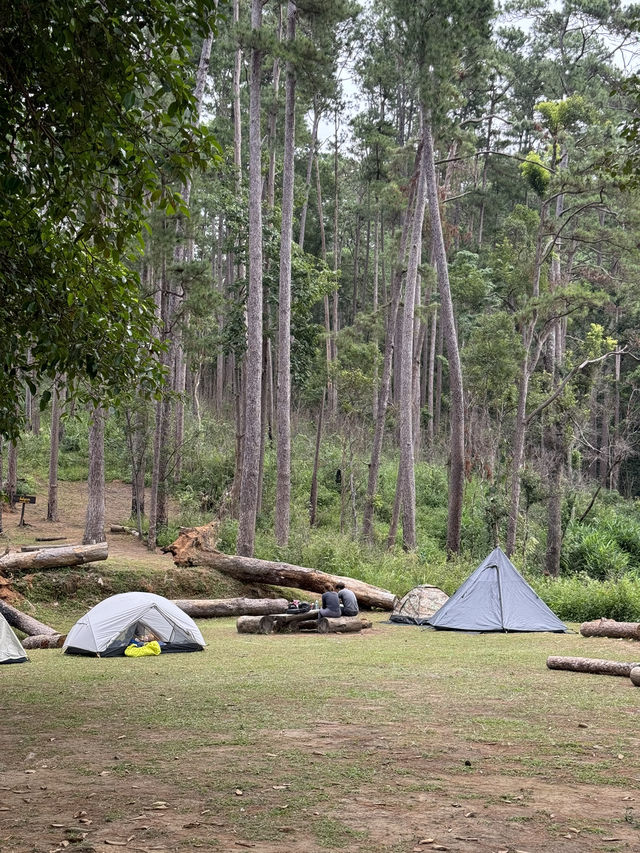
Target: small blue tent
{"x":496,"y":598}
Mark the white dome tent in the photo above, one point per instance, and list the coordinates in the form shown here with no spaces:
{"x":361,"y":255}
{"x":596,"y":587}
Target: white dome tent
{"x":11,"y":650}
{"x":109,"y":627}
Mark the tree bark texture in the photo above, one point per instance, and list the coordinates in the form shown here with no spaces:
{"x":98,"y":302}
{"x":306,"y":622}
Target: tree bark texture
{"x":44,"y":641}
{"x":283,"y":448}
{"x":253,"y":358}
{"x":27,"y":624}
{"x":254,"y":625}
{"x":215,"y":607}
{"x":53,"y":558}
{"x":611,"y":628}
{"x":196,"y":547}
{"x":596,"y":666}
{"x":94,"y":521}
{"x":456,"y":393}
{"x":54,"y":452}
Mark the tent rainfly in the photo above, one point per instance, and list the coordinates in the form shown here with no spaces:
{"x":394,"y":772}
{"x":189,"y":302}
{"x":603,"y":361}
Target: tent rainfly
{"x":11,"y":650}
{"x":109,"y":627}
{"x":418,"y":605}
{"x":496,"y":598}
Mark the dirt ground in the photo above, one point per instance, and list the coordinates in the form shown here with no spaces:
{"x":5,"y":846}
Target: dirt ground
{"x":68,"y":786}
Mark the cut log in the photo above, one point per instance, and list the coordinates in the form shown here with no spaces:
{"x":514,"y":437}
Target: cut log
{"x":634,"y":675}
{"x":27,"y":624}
{"x":595,"y":666}
{"x":120,"y":528}
{"x":49,"y":538}
{"x":209,"y":608}
{"x":28,"y":548}
{"x":44,"y":641}
{"x":254,"y":624}
{"x":343,"y":625}
{"x":53,"y":558}
{"x":196,"y":547}
{"x":611,"y":628}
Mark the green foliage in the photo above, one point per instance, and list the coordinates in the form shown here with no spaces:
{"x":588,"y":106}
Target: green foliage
{"x":98,"y":124}
{"x":580,"y":598}
{"x":536,"y":174}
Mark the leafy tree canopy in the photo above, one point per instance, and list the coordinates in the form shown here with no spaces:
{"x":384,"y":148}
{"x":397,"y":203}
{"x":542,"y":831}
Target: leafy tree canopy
{"x":98,"y":122}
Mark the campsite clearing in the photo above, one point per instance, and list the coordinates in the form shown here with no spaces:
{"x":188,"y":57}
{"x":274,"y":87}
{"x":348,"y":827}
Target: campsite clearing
{"x":365,"y":742}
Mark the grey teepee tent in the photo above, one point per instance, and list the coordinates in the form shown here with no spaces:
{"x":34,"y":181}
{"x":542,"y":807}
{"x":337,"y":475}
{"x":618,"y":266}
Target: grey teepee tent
{"x":11,"y":650}
{"x":496,"y":598}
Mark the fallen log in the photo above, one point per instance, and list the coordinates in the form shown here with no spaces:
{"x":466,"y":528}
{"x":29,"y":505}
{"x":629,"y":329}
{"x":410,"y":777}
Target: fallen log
{"x":49,"y":538}
{"x":611,"y":628}
{"x":53,"y":558}
{"x":212,"y":607}
{"x":254,"y":624}
{"x":596,"y":666}
{"x":29,"y":548}
{"x":27,"y":624}
{"x":120,"y":528}
{"x":343,"y":625}
{"x":195,"y":546}
{"x":44,"y":641}
{"x":634,"y":675}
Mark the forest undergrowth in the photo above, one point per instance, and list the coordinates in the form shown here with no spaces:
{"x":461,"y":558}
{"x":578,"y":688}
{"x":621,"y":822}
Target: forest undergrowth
{"x":600,"y":565}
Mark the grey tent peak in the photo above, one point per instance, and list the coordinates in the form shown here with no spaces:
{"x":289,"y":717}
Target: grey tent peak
{"x":495,"y":597}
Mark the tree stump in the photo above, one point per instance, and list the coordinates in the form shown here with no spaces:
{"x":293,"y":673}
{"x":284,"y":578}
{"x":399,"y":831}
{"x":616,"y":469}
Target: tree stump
{"x":611,"y":628}
{"x":596,"y":666}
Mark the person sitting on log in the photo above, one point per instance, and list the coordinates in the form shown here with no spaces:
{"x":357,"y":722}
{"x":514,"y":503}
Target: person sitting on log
{"x":348,"y":601}
{"x":330,"y":605}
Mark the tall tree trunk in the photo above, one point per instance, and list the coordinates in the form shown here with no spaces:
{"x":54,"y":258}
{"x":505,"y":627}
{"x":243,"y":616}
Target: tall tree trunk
{"x":313,"y":500}
{"x":408,"y":482}
{"x":387,"y":369}
{"x":12,"y":473}
{"x":374,"y":308}
{"x":307,"y":184}
{"x":283,"y":450}
{"x":456,"y":471}
{"x":272,"y":121}
{"x":333,"y":391}
{"x":554,"y":506}
{"x":431,"y":377}
{"x":437,"y":411}
{"x":253,"y":358}
{"x":94,"y":521}
{"x":54,"y":451}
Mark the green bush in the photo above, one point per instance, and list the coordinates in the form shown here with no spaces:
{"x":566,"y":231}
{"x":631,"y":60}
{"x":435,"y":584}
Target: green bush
{"x":581,"y":598}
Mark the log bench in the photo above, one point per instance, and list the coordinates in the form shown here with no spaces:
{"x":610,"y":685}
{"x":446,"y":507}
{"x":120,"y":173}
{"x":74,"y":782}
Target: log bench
{"x":289,"y":623}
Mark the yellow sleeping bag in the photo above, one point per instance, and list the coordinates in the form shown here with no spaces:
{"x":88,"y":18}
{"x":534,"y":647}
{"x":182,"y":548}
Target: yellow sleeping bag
{"x":133,"y":651}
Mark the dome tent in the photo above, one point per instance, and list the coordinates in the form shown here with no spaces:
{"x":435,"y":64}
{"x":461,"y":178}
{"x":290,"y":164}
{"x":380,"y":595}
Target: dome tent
{"x":109,"y":627}
{"x":495,"y":597}
{"x":418,"y":605}
{"x":11,"y":650}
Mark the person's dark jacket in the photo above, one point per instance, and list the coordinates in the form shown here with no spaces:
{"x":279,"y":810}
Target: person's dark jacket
{"x":330,"y":605}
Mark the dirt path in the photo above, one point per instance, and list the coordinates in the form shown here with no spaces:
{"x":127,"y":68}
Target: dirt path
{"x":72,"y":500}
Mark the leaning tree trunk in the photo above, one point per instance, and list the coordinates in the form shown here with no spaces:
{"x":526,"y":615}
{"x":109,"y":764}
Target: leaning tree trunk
{"x":456,"y":472}
{"x":253,"y":358}
{"x":27,"y":624}
{"x":283,"y":448}
{"x":94,"y":520}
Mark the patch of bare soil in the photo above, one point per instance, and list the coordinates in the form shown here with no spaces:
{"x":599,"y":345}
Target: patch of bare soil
{"x":72,"y":500}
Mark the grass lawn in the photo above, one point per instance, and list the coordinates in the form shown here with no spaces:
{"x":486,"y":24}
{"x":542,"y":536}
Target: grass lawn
{"x":398,"y":739}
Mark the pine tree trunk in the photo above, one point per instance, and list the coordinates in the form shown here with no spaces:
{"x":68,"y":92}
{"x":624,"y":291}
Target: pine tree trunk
{"x":94,"y":521}
{"x":54,"y":452}
{"x":253,"y":358}
{"x":12,"y":473}
{"x":406,"y":364}
{"x":313,"y":500}
{"x":387,"y":369}
{"x":307,"y":185}
{"x":431,"y":377}
{"x":456,"y":472}
{"x":283,"y":450}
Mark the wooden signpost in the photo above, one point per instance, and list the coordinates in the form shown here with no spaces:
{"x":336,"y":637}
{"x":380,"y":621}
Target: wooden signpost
{"x":24,"y":500}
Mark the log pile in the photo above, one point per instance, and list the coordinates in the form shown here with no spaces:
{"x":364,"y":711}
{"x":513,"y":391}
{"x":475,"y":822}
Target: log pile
{"x":282,"y":623}
{"x":196,"y":546}
{"x":611,"y":628}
